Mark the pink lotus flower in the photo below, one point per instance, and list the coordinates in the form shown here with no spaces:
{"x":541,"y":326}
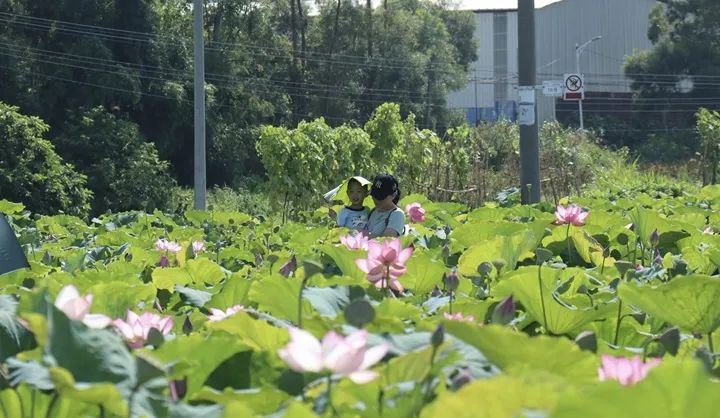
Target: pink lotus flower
{"x":77,"y":308}
{"x":219,"y":315}
{"x":458,"y":317}
{"x":343,"y":356}
{"x":198,"y":247}
{"x":355,"y":241}
{"x":385,"y":263}
{"x":136,"y":329}
{"x":624,"y":370}
{"x":708,"y":231}
{"x":416,"y":212}
{"x":572,"y":214}
{"x":169,"y":246}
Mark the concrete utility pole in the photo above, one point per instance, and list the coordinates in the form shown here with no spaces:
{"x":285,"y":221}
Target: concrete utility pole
{"x":199,"y":170}
{"x":578,"y":51}
{"x":529,"y":147}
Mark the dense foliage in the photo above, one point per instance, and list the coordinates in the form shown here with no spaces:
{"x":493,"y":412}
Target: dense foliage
{"x":32,"y":172}
{"x":468,"y":165}
{"x":504,"y":312}
{"x":122,"y":169}
{"x":266,"y":63}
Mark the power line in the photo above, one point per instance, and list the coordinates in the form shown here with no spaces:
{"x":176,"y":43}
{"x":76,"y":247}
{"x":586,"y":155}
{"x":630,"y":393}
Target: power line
{"x":303,"y":116}
{"x":211,"y":76}
{"x":362,"y":61}
{"x":137,"y":36}
{"x":146,"y":36}
{"x":268,"y":88}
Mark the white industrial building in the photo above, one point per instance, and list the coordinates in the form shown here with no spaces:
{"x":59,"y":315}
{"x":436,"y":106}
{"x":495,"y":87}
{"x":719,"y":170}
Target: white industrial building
{"x":560,"y":25}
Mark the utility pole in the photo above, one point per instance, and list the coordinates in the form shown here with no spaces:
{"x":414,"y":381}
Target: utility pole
{"x":200,"y":181}
{"x":529,"y":147}
{"x":578,"y":51}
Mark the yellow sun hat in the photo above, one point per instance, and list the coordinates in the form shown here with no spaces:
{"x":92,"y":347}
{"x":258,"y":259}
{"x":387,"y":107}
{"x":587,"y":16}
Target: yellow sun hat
{"x":340,"y":192}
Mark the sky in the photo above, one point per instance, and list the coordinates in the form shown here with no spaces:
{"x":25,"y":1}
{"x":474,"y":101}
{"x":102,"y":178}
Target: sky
{"x":472,"y":4}
{"x":496,"y":4}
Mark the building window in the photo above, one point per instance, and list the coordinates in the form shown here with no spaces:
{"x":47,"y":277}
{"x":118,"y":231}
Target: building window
{"x":500,"y":55}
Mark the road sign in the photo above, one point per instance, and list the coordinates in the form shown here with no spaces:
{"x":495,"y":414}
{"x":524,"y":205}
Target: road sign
{"x":574,"y":87}
{"x":554,"y":88}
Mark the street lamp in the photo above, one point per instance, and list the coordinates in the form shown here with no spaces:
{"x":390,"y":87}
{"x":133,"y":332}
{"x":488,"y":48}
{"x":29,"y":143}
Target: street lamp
{"x":578,"y":51}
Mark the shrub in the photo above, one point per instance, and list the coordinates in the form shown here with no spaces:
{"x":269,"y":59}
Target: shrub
{"x":32,"y":172}
{"x":252,"y":200}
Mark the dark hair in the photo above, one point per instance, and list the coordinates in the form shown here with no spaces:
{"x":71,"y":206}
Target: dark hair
{"x":385,"y":185}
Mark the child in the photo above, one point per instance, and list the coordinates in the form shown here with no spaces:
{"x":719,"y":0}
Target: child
{"x":355,"y":215}
{"x":386,"y":219}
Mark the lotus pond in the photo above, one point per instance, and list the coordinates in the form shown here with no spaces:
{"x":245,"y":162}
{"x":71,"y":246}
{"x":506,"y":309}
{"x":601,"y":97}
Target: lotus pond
{"x":610,"y":310}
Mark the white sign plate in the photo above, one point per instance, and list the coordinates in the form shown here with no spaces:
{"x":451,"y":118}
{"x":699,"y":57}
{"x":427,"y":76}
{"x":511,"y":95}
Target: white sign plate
{"x":526,"y":114}
{"x":527,"y":94}
{"x":553,"y":88}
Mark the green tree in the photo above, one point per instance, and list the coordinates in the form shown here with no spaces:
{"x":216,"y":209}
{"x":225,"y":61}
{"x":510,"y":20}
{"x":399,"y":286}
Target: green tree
{"x":708,"y":124}
{"x":673,"y":77}
{"x":32,"y":172}
{"x":124,"y":171}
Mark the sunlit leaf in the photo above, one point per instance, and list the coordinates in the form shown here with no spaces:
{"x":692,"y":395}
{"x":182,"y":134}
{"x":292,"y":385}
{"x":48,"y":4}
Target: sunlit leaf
{"x":689,"y":302}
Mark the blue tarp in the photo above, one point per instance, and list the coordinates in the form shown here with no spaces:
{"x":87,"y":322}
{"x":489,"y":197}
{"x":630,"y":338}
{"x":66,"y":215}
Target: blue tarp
{"x":502,"y":110}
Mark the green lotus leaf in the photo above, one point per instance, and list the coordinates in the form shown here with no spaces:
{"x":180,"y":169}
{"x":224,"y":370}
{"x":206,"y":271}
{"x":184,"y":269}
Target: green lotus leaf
{"x":199,"y":272}
{"x":515,"y":352}
{"x":196,"y":356}
{"x":423,"y":273}
{"x":674,"y":389}
{"x":102,"y":394}
{"x":511,"y":249}
{"x":259,"y":400}
{"x":690,"y":302}
{"x":500,"y":397}
{"x":10,"y":208}
{"x":235,"y":291}
{"x":14,"y":338}
{"x":256,"y":334}
{"x":345,"y":260}
{"x":198,"y":217}
{"x":90,"y":355}
{"x":277,"y":295}
{"x":561,"y":319}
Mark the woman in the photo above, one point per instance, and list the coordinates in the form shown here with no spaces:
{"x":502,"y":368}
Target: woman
{"x":386,"y":219}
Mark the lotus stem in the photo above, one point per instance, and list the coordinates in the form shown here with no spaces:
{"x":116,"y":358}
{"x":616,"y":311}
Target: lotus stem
{"x":710,"y":345}
{"x":51,"y":405}
{"x":329,"y":396}
{"x":300,"y":300}
{"x":567,"y":238}
{"x":386,"y":282}
{"x":542,"y":297}
{"x":617,"y":324}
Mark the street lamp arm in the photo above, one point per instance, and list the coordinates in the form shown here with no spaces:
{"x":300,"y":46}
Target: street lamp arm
{"x":579,"y":49}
